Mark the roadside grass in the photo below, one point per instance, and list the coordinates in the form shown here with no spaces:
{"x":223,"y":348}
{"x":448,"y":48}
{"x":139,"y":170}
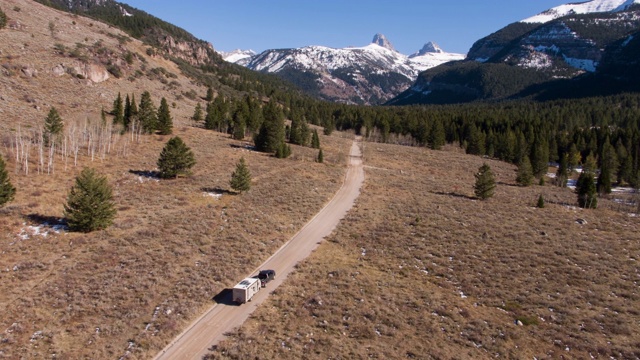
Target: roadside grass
{"x":421,"y":269}
{"x":175,"y":244}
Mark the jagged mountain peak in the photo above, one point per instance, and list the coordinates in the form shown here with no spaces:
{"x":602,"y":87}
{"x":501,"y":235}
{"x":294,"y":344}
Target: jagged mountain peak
{"x":381,"y":40}
{"x":428,"y":48}
{"x":588,"y":7}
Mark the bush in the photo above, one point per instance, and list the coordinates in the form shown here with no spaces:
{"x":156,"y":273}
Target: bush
{"x":3,"y":19}
{"x":7,"y":191}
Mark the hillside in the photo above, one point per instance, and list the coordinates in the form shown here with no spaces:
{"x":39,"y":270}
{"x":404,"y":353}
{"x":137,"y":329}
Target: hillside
{"x":126,"y":291}
{"x":422,"y":270}
{"x":419,"y":268}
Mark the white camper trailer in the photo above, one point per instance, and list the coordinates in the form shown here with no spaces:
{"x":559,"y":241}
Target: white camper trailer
{"x":245,"y":290}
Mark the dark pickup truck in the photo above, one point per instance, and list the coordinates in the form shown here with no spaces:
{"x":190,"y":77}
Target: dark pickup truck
{"x":265,"y":276}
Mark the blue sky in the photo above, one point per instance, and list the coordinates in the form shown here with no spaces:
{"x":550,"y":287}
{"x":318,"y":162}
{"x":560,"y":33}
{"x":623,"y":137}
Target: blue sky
{"x":408,"y":24}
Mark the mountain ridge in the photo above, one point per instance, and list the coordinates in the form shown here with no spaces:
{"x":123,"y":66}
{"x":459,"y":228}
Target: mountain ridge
{"x":569,"y":47}
{"x":366,"y":75}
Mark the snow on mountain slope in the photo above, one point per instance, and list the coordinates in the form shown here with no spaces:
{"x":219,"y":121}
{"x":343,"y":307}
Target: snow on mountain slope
{"x":238,"y":56}
{"x":588,"y":7}
{"x":375,"y":72}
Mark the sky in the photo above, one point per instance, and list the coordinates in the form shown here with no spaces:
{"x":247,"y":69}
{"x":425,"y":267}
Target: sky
{"x":408,"y":24}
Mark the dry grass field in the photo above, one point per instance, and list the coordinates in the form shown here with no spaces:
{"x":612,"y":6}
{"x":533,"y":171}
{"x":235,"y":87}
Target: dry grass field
{"x":127,"y":291}
{"x":175,"y":244}
{"x":420,"y":269}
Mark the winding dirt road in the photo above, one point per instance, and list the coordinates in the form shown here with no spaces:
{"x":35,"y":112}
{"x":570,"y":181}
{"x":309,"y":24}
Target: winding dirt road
{"x":210,"y":328}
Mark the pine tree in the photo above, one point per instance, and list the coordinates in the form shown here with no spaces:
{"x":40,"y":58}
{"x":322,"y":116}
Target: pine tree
{"x":53,"y":127}
{"x":118,"y":110}
{"x":271,"y":136}
{"x":540,"y":204}
{"x":239,"y":121}
{"x":175,"y":159}
{"x":525,"y":172}
{"x":315,"y":139}
{"x":3,"y":19}
{"x":7,"y":190}
{"x":437,"y":137}
{"x":562,"y":175}
{"x":241,"y":177}
{"x":126,"y":112}
{"x":90,"y":203}
{"x":165,"y":122}
{"x":540,"y":156}
{"x":485,"y":185}
{"x":147,"y":114}
{"x":586,"y":186}
{"x":197,"y":113}
{"x":209,"y":96}
{"x":320,"y":158}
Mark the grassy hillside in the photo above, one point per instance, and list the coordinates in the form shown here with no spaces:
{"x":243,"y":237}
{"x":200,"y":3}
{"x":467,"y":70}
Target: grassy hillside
{"x":420,"y":269}
{"x":175,"y":244}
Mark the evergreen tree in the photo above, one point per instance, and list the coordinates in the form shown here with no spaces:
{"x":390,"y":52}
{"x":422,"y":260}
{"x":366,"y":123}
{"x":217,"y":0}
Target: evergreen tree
{"x":165,"y":122}
{"x":540,"y":204}
{"x":540,"y":156}
{"x":586,"y":186}
{"x":209,"y":96}
{"x":271,"y":136}
{"x":7,"y":191}
{"x":197,"y":113}
{"x":90,"y":203}
{"x":437,"y":137}
{"x":3,"y":19}
{"x":175,"y":159}
{"x":239,"y":121}
{"x":53,"y":127}
{"x":241,"y":177}
{"x":126,"y":112}
{"x":118,"y":110}
{"x":562,"y":175}
{"x":485,"y":185}
{"x":525,"y":172}
{"x":315,"y":139}
{"x":320,"y":158}
{"x":147,"y":114}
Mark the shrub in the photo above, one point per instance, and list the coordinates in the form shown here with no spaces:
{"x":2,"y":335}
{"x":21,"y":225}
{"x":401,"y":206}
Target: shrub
{"x":7,"y":191}
{"x":3,"y":19}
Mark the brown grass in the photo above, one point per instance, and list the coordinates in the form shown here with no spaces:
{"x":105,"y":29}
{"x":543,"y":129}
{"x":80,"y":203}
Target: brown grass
{"x":171,"y":250}
{"x":420,"y":269}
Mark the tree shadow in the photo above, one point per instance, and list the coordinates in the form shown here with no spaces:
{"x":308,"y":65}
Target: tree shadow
{"x":217,"y":191}
{"x":225,"y":297}
{"x":146,"y":174}
{"x":52,"y":222}
{"x":506,"y":184}
{"x":454,"y":195}
{"x":246,"y":146}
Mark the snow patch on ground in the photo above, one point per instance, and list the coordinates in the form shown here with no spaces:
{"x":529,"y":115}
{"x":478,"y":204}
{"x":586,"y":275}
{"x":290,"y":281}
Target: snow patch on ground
{"x":584,"y":64}
{"x":43,"y":230}
{"x":536,"y":60}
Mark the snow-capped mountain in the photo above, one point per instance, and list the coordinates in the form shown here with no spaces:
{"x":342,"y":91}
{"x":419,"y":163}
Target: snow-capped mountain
{"x":240,"y":57}
{"x":561,"y":43}
{"x":594,"y":6}
{"x":370,"y":74}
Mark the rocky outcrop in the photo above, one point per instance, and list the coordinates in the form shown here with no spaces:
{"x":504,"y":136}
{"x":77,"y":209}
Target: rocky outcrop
{"x":195,"y":53}
{"x":94,"y":72}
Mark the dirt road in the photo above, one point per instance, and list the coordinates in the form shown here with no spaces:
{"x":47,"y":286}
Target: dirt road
{"x":210,"y":328}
